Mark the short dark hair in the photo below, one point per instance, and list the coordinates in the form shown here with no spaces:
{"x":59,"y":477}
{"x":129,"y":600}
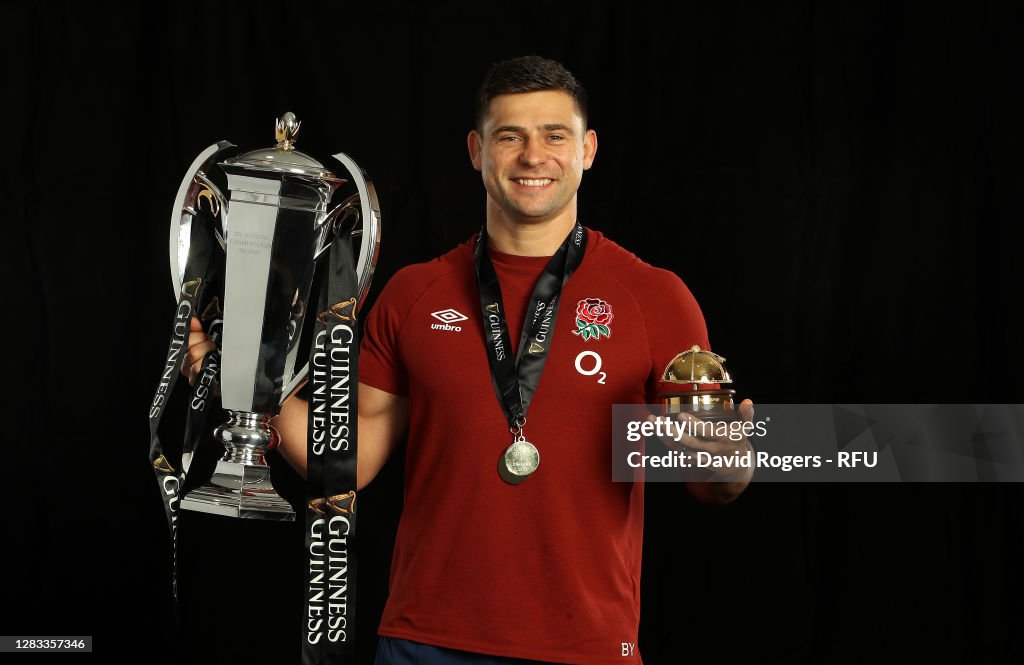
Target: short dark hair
{"x":530,"y":73}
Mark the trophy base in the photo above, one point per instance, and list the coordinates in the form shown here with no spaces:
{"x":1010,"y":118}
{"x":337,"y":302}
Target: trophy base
{"x":714,"y":404}
{"x":240,"y":490}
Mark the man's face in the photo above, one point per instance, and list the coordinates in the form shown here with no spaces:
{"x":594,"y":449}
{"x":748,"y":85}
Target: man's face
{"x":531,"y":152}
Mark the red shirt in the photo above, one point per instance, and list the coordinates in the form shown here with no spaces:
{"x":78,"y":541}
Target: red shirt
{"x":548,"y":569}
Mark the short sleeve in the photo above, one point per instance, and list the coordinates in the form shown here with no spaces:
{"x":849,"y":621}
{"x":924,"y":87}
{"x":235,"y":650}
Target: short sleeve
{"x":673,"y":322}
{"x":380,"y":362}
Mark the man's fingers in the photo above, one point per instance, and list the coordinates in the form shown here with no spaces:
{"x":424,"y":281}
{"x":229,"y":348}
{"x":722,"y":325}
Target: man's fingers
{"x":711,"y":446}
{"x":689,"y":431}
{"x":747,"y":410}
{"x":193,"y":360}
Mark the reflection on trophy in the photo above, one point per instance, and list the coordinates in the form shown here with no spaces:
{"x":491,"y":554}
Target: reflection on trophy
{"x":694,"y":372}
{"x":280,"y":214}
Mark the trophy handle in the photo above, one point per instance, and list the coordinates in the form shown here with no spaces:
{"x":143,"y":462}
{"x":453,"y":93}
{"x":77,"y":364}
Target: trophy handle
{"x":337,"y":223}
{"x":366,"y":227}
{"x":195,"y":187}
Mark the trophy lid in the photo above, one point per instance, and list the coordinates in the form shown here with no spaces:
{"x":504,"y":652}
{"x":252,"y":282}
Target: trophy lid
{"x":696,"y":366}
{"x":283,"y":158}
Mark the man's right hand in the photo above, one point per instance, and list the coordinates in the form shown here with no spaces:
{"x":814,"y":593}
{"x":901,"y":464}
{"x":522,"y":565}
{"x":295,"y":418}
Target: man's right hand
{"x":199,"y":344}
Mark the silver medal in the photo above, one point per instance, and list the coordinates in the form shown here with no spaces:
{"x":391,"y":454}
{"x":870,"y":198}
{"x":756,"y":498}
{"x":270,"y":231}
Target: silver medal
{"x":522,"y":458}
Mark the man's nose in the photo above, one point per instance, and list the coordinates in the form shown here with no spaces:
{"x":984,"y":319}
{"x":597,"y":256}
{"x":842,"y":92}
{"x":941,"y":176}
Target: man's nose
{"x":533,"y":152}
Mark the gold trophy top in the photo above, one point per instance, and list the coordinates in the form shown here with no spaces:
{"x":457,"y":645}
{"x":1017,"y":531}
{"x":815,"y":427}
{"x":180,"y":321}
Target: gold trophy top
{"x":694,"y":372}
{"x":696,"y":366}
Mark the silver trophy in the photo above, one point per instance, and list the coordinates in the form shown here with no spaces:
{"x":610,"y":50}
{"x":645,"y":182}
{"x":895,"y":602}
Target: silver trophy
{"x":278,"y":219}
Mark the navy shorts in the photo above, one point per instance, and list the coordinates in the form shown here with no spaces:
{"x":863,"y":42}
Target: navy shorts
{"x":394,"y":651}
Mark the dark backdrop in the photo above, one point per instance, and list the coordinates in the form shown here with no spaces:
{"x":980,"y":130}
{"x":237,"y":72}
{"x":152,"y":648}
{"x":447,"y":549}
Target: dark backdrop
{"x":838,"y":185}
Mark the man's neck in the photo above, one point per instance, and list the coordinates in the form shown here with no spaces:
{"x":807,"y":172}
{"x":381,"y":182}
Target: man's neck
{"x":528,"y":239}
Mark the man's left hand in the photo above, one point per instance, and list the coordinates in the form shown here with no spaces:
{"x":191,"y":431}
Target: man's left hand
{"x":717,"y":483}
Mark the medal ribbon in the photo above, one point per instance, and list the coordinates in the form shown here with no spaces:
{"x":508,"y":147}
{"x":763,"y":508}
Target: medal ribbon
{"x":515,"y":380}
{"x":328,"y":629}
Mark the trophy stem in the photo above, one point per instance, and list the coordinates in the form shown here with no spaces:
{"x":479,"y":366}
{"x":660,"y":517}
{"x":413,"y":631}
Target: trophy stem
{"x":246,"y":437}
{"x":240,"y":485}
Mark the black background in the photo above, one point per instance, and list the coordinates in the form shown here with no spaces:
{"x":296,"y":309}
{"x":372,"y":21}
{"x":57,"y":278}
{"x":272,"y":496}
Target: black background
{"x":839,"y":186}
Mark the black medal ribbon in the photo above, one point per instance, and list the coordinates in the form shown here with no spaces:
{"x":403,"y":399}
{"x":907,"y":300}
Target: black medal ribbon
{"x":515,"y":379}
{"x":328,"y":622}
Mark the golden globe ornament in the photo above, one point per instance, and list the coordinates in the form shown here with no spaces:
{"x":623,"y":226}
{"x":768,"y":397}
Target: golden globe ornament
{"x":698,"y":375}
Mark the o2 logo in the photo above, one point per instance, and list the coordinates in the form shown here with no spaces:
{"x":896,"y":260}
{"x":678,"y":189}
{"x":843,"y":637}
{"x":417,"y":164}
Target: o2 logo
{"x":588,"y":363}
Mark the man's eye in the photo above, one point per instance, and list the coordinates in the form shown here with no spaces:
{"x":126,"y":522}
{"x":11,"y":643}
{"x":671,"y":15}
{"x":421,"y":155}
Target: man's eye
{"x":509,"y":138}
{"x":556,"y":138}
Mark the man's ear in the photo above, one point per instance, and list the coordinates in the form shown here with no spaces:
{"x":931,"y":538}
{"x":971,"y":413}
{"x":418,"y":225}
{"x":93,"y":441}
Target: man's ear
{"x":475,"y":144}
{"x":589,"y":148}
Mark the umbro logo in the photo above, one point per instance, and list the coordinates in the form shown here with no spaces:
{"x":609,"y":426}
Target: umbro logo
{"x":447,"y":317}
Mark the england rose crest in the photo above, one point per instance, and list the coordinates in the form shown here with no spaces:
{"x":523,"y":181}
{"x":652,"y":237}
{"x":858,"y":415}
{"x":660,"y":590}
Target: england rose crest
{"x":592,"y":318}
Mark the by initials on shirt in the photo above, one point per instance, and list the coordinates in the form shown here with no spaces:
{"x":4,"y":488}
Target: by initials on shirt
{"x":628,"y":648}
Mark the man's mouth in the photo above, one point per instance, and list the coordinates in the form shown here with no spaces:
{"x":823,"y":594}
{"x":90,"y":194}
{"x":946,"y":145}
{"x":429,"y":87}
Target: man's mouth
{"x":533,"y":182}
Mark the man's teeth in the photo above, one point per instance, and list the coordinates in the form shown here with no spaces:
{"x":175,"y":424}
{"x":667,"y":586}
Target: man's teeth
{"x":528,"y":182}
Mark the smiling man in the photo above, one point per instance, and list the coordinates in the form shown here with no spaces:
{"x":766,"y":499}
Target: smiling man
{"x":502,"y":359}
{"x":531,"y":149}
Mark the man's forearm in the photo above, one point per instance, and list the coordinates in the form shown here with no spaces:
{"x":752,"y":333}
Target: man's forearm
{"x":383,"y":419}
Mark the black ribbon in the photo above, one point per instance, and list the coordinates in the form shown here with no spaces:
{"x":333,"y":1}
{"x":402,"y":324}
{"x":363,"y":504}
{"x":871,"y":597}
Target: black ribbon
{"x":204,"y":391}
{"x":515,"y":380}
{"x":197,"y":288}
{"x":328,"y":622}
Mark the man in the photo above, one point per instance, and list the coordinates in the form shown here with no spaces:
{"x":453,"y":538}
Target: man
{"x":514,"y":542}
